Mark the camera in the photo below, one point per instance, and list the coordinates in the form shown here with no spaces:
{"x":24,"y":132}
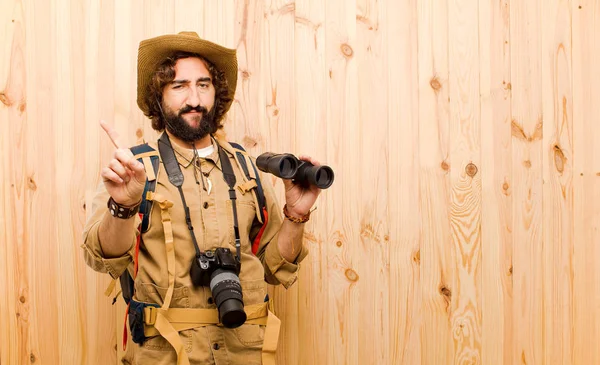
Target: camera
{"x":219,"y":271}
{"x":288,"y":166}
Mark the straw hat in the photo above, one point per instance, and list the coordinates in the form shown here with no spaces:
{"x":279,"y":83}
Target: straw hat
{"x":153,"y":51}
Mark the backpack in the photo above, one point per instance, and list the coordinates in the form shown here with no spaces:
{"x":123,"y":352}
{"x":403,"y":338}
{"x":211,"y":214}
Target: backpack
{"x":147,"y":155}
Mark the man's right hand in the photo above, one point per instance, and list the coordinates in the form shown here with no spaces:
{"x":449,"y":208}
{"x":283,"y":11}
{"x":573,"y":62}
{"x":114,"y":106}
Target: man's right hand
{"x":124,"y":178}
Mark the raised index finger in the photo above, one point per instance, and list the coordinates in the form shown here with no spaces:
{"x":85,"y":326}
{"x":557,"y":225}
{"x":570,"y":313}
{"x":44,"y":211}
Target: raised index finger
{"x":112,"y":134}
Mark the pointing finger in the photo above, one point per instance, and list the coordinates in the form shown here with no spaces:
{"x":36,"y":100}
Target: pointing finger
{"x":112,"y":134}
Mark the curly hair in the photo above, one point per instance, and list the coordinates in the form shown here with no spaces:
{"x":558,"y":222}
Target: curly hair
{"x":165,"y":73}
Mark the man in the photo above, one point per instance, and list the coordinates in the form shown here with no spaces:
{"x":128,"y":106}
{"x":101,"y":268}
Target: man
{"x":185,"y":86}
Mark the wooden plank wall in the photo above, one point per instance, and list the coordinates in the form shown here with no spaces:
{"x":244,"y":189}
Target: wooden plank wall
{"x":464,"y":223}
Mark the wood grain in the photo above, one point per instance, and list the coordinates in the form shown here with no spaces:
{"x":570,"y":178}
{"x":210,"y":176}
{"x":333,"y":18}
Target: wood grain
{"x":496,"y":183}
{"x":311,"y":136}
{"x":586,"y":174}
{"x":465,"y":180}
{"x":527,"y":164}
{"x":343,"y":262}
{"x":437,"y":260}
{"x":557,"y":145}
{"x":463,"y":223}
{"x":403,"y":217}
{"x":371,"y":56}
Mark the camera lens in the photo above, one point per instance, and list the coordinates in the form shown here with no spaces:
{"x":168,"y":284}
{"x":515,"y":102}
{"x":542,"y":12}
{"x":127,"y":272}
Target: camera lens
{"x":227,"y":293}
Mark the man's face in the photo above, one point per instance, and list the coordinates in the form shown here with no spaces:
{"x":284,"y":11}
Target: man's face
{"x":188,"y":101}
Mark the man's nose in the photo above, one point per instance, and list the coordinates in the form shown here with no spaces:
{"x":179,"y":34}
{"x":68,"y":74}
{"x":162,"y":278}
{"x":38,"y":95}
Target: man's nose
{"x":193,"y":99}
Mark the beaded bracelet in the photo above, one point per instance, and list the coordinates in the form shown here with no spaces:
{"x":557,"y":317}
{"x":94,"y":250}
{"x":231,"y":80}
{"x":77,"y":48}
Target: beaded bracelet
{"x":294,"y":219}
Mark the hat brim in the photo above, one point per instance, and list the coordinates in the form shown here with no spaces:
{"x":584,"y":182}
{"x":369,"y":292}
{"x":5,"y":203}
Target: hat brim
{"x":152,"y":52}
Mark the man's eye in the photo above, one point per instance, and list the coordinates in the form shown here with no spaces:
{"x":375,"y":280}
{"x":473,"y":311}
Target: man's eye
{"x":177,"y":87}
{"x":203,"y":86}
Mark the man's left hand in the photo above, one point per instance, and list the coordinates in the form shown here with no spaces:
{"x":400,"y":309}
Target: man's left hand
{"x":300,"y":199}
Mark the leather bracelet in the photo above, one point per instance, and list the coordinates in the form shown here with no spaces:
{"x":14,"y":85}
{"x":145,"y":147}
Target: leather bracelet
{"x":287,"y":215}
{"x":121,"y":211}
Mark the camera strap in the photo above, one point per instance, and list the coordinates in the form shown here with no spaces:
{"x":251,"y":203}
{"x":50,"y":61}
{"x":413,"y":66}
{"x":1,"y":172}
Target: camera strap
{"x":176,"y":178}
{"x":230,"y":179}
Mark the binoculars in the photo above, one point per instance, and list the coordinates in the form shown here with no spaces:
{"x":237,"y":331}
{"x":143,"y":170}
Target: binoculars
{"x":288,"y":166}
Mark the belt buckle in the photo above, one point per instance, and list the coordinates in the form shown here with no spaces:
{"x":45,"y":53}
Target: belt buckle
{"x":150,"y":313}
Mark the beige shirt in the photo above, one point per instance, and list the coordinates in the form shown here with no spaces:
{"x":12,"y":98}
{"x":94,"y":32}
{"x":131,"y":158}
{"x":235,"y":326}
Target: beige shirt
{"x":212,"y":220}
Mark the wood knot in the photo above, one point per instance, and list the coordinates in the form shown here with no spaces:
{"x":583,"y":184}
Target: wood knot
{"x":338,"y":243}
{"x":510,"y":270}
{"x":31,"y":184}
{"x":559,"y":159}
{"x":139,"y":133}
{"x":346,"y":50}
{"x":22,"y":106}
{"x":4,"y":99}
{"x":435,"y":83}
{"x":245,"y":75}
{"x":417,"y":257}
{"x":249,"y":142}
{"x":471,"y":169}
{"x":351,"y":275}
{"x":445,"y":166}
{"x":446,"y":292}
{"x":22,"y":299}
{"x":32,"y":358}
{"x":527,"y":163}
{"x":505,"y":188}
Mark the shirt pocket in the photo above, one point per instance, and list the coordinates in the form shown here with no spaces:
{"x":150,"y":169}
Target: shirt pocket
{"x":246,"y":213}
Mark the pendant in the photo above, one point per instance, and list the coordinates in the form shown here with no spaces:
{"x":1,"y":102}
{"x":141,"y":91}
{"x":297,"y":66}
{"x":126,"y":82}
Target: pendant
{"x":209,"y":185}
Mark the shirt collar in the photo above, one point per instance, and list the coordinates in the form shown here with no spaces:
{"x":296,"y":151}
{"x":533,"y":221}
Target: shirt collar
{"x":185,"y":156}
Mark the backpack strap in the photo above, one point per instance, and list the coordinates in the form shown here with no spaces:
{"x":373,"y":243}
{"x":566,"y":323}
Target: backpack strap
{"x":149,"y":157}
{"x":241,"y":155}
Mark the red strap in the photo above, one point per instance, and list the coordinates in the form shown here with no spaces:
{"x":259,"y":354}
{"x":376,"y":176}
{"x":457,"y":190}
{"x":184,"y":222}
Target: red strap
{"x":256,"y":242}
{"x":125,"y":328}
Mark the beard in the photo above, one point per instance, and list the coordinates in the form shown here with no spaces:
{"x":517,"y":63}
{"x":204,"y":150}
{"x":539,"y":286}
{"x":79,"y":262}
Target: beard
{"x":181,"y":129}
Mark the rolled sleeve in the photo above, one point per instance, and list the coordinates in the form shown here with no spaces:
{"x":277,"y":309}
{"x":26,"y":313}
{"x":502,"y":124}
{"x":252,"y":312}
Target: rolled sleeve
{"x":277,"y":269}
{"x":92,"y":250}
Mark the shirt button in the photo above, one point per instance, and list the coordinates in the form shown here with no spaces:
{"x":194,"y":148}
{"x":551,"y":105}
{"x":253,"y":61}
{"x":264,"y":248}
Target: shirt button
{"x":205,"y":205}
{"x":216,"y":346}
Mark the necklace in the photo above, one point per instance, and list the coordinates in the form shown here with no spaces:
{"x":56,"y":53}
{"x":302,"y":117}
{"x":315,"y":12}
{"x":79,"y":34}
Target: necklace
{"x":205,"y":174}
{"x":196,"y":162}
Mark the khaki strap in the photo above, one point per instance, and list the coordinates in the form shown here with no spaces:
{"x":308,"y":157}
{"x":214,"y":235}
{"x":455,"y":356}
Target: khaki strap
{"x":247,"y":186}
{"x":111,"y":287}
{"x":271,"y":339}
{"x":165,"y":205}
{"x":250,"y":166}
{"x":172,"y":336}
{"x":146,"y":154}
{"x":150,"y":175}
{"x":186,"y":318}
{"x":168,"y":323}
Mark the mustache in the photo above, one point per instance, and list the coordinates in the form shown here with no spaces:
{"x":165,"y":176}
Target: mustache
{"x":188,"y":108}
